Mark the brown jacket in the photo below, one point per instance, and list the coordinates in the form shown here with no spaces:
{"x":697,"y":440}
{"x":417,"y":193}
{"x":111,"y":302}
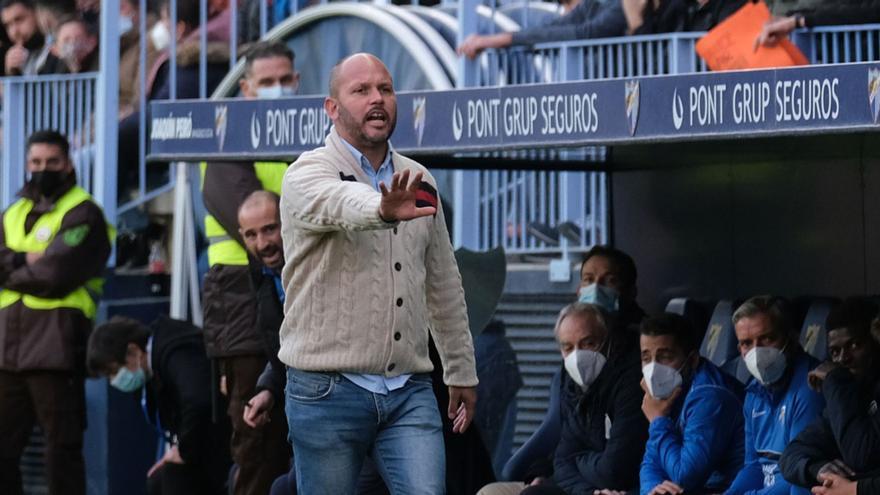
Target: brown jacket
{"x":50,"y":339}
{"x":129,"y":69}
{"x":230,"y":308}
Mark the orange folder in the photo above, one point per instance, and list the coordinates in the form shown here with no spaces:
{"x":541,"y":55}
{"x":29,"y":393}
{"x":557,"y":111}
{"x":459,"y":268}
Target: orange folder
{"x":731,"y":44}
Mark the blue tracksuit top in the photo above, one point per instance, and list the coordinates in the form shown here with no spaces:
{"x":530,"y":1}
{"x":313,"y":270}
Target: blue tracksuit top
{"x":773,"y":417}
{"x":700,"y":445}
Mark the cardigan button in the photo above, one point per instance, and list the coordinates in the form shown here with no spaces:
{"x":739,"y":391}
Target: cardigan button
{"x":399,"y":302}
{"x":398,"y":266}
{"x":391,"y":367}
{"x":397,"y":335}
{"x":395,"y":230}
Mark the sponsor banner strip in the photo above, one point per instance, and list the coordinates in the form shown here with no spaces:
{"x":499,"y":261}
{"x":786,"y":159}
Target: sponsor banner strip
{"x":792,"y":101}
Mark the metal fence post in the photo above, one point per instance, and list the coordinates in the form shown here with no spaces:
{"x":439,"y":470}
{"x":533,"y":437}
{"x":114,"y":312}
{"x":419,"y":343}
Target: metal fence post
{"x":467,"y":25}
{"x":107,"y":111}
{"x":13,"y":153}
{"x":179,"y":276}
{"x":466,"y":208}
{"x":682,"y":55}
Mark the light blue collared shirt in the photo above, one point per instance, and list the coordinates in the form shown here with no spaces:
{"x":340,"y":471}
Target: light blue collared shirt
{"x":378,"y":384}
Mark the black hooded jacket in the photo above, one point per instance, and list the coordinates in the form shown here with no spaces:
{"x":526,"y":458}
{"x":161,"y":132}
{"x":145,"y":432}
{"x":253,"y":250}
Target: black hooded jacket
{"x":179,"y":390}
{"x":848,"y":430}
{"x":603,"y":430}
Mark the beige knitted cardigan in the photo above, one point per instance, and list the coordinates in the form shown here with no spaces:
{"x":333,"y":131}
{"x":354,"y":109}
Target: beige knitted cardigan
{"x":350,"y":307}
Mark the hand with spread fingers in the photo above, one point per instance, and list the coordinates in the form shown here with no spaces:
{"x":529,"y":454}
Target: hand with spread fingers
{"x":399,"y":201}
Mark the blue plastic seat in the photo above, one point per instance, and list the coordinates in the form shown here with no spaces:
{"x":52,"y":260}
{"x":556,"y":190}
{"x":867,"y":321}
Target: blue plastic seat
{"x":694,"y":311}
{"x":814,"y":335}
{"x":543,"y":441}
{"x":719,"y":344}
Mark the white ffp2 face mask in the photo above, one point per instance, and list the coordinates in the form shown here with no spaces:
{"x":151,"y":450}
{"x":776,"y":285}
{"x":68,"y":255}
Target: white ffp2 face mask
{"x":660,"y":379}
{"x":766,"y":364}
{"x":584,"y":366}
{"x":160,"y":36}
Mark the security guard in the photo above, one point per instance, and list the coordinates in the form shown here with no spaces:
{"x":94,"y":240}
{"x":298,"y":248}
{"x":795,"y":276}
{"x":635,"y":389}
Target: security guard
{"x":54,"y":246}
{"x":231,"y":336}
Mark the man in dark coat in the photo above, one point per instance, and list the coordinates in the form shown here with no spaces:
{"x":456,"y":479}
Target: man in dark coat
{"x":845,"y":440}
{"x":603,"y":429}
{"x":166,"y":363}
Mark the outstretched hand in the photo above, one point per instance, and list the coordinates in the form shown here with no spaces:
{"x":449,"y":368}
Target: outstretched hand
{"x":399,"y":202}
{"x":775,"y":30}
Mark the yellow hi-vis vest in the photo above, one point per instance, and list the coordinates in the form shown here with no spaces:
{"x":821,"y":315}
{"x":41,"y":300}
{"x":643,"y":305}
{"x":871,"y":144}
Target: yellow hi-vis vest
{"x":37,"y":240}
{"x":223,"y":249}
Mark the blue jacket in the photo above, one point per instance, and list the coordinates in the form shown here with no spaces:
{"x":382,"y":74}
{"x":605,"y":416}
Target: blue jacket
{"x":773,"y":418}
{"x":700,"y":445}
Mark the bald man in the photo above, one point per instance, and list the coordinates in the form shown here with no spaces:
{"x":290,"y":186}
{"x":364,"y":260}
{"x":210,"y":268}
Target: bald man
{"x":369,"y":273}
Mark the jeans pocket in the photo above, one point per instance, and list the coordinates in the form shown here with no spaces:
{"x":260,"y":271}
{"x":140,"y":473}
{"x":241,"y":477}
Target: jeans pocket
{"x":308,"y":385}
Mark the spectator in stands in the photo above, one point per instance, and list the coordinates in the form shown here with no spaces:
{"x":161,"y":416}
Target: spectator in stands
{"x":829,"y":14}
{"x":686,"y":399}
{"x":187,"y":35}
{"x":779,"y":403}
{"x":608,"y":279}
{"x":233,"y":333}
{"x":589,"y":19}
{"x":603,"y":429}
{"x":845,"y":440}
{"x":50,"y":13}
{"x":663,"y":16}
{"x":54,"y":246}
{"x":129,"y":55}
{"x":165,"y":363}
{"x":28,"y":50}
{"x":75,"y":49}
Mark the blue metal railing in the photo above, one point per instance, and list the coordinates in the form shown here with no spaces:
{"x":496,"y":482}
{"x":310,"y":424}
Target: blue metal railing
{"x":65,"y":103}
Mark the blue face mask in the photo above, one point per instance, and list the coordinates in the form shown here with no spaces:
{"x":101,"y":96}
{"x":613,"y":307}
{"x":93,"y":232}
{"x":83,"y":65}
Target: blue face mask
{"x":127,"y":380}
{"x":603,"y":296}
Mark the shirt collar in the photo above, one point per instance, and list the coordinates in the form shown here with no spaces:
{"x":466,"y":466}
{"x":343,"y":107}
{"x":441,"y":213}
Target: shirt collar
{"x":365,"y":164}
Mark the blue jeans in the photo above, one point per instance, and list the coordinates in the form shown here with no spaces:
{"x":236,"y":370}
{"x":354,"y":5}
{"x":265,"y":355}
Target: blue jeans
{"x":334,"y":424}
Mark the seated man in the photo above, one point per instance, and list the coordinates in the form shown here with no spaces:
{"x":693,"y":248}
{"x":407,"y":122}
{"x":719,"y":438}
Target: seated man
{"x":687,"y":398}
{"x":845,"y":441}
{"x":608,"y":279}
{"x":166,"y":362}
{"x":778,"y":404}
{"x":603,"y":430}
